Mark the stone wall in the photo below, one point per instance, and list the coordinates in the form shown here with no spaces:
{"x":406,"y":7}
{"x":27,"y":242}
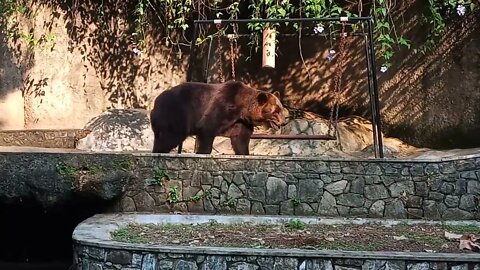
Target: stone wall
{"x":91,"y":257}
{"x":437,"y":189}
{"x":292,"y":186}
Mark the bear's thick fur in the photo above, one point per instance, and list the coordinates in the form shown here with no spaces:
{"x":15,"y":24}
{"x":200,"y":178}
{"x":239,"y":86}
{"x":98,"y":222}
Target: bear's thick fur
{"x":228,"y":109}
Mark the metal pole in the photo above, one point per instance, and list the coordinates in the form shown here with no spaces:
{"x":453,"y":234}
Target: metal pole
{"x":190,"y":67}
{"x":373,"y":90}
{"x":207,"y":65}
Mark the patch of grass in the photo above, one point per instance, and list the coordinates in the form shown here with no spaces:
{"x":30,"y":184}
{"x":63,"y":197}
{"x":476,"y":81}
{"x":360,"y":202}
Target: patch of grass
{"x":124,"y":163}
{"x":94,"y":169}
{"x":467,"y":228}
{"x":212,"y":223}
{"x":337,"y":245}
{"x":427,"y":239}
{"x":128,"y":235}
{"x":66,"y":170}
{"x":295,"y":224}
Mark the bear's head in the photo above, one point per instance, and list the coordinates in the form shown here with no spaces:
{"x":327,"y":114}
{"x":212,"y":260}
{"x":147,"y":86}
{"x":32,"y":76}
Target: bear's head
{"x":270,"y":111}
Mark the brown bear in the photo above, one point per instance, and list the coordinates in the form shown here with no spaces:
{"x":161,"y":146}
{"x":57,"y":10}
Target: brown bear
{"x":207,"y":110}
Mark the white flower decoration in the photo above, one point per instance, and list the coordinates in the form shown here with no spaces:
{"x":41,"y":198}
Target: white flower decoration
{"x":461,"y":10}
{"x":137,"y":51}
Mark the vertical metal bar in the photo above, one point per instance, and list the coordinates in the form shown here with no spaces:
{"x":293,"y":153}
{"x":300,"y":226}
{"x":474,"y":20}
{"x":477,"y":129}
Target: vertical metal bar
{"x":207,"y":65}
{"x":192,"y":52}
{"x":370,"y":92}
{"x":190,"y":68}
{"x":373,"y":89}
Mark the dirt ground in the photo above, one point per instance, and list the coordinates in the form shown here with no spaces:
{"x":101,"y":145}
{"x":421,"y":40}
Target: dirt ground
{"x":296,"y":234}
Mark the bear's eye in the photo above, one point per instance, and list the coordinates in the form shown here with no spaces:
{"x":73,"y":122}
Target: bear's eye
{"x":268,"y":110}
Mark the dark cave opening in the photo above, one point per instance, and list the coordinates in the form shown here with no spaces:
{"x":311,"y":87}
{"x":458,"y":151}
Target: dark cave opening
{"x":35,"y":237}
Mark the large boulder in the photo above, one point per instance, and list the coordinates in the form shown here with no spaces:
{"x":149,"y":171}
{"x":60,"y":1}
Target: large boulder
{"x":129,"y":130}
{"x":118,"y":130}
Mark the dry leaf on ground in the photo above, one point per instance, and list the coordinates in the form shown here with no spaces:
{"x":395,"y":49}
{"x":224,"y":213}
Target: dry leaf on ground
{"x":469,"y":241}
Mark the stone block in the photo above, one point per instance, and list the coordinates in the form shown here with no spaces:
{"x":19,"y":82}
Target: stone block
{"x":468,"y":202}
{"x":456,"y":214}
{"x":310,"y":190}
{"x":351,"y":200}
{"x":256,"y":194}
{"x":452,"y":201}
{"x":234,"y":192}
{"x":377,"y":209}
{"x":447,"y":188}
{"x":257,"y":209}
{"x":304,"y":209}
{"x":376,"y":192}
{"x":403,"y":188}
{"x":287,"y":208}
{"x":243,"y":266}
{"x":185,"y":265}
{"x":276,"y":190}
{"x":357,"y":185}
{"x":214,"y":262}
{"x":421,"y":189}
{"x":417,"y":170}
{"x":337,"y":188}
{"x":238,"y":178}
{"x":328,"y":205}
{"x":436,"y":196}
{"x":395,"y":209}
{"x":259,"y":179}
{"x":473,"y":187}
{"x":414,"y":201}
{"x":122,"y":257}
{"x":414,"y":213}
{"x":272,"y":209}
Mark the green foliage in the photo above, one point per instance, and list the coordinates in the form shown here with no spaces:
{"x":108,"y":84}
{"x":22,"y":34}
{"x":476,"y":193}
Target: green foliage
{"x":173,"y":195}
{"x":197,"y":197}
{"x":65,"y":170}
{"x":159,"y":176}
{"x":296,"y":201}
{"x":295,"y":224}
{"x":176,"y":16}
{"x":127,"y":234}
{"x":124,"y":163}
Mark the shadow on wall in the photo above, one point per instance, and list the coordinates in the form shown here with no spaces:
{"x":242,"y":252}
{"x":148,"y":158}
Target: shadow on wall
{"x":102,"y":33}
{"x":427,"y":100}
{"x":433,"y":100}
{"x":307,"y":84}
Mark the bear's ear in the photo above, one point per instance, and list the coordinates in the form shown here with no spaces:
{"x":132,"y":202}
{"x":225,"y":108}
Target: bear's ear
{"x":262,"y":98}
{"x":277,"y":94}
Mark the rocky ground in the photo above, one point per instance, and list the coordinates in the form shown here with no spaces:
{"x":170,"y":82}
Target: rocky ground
{"x":129,"y":130}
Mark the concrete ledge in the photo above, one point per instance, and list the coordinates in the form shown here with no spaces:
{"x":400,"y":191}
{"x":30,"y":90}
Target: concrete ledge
{"x":93,"y":237}
{"x":47,"y":138}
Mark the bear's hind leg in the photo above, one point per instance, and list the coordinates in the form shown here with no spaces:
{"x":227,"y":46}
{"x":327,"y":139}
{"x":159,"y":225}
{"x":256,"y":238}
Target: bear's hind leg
{"x":164,"y":142}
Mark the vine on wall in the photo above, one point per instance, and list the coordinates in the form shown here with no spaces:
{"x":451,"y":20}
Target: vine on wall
{"x":176,"y":16}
